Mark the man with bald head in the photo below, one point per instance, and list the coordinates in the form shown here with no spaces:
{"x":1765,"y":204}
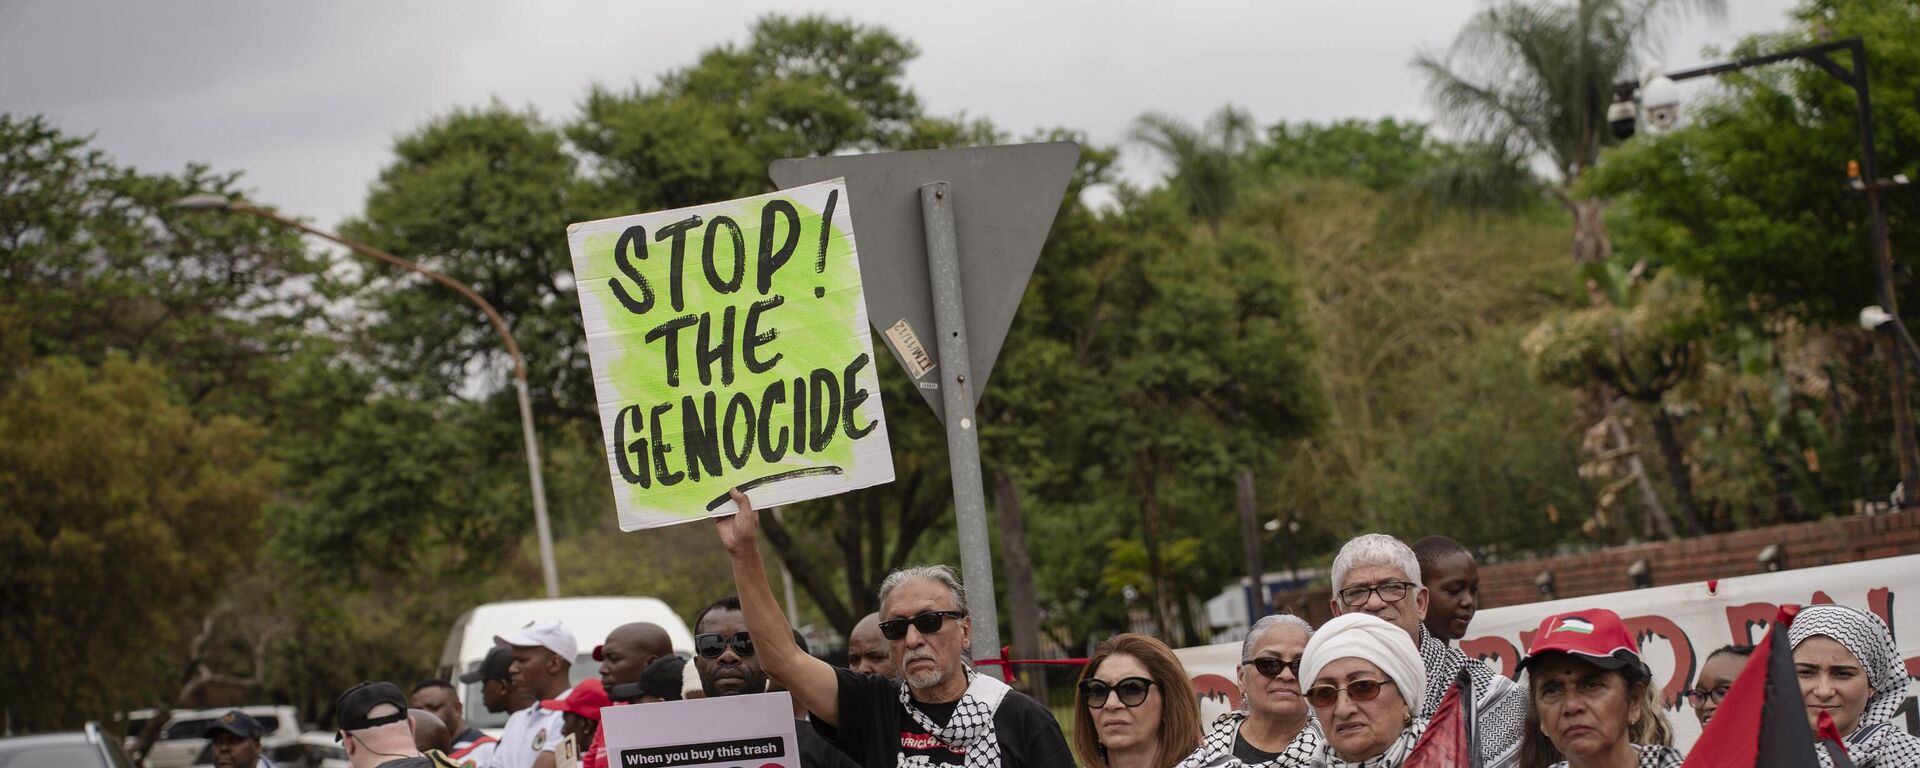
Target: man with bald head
{"x":429,"y":732}
{"x":628,"y":650}
{"x":867,"y":649}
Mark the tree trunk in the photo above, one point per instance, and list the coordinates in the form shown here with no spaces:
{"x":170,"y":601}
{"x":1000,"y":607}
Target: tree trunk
{"x":1022,"y":600}
{"x":1250,"y":546}
{"x":1785,"y":508}
{"x":1659,"y":524}
{"x":1678,"y":473}
{"x":1150,"y":530}
{"x":1591,"y":245}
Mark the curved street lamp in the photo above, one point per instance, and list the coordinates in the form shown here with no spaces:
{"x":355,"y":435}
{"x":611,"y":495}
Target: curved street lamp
{"x":211,"y":202}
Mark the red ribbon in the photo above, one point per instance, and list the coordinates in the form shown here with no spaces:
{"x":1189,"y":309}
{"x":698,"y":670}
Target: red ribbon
{"x":1006,"y":665}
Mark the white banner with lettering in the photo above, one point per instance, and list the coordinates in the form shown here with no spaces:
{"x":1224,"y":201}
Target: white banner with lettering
{"x":1677,"y":627}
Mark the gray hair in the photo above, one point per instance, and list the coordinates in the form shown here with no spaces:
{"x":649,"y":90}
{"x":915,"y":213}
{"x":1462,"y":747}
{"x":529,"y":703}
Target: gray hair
{"x":1374,"y":549}
{"x":1269,"y":622}
{"x":940,"y":573}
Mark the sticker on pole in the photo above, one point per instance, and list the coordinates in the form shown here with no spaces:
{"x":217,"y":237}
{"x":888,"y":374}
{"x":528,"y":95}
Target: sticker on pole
{"x":730,"y":348}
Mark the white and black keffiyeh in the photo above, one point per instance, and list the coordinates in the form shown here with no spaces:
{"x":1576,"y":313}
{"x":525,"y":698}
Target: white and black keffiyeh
{"x":1305,"y":751}
{"x":971,"y":727}
{"x":1499,"y":704}
{"x":1396,"y":753}
{"x":1651,"y":756}
{"x":1878,"y":741}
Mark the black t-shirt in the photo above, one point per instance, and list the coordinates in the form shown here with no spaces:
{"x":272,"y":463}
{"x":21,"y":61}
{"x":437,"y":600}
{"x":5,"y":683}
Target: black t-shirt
{"x":1246,"y":752}
{"x":409,"y":762}
{"x":878,"y":733}
{"x":816,"y":751}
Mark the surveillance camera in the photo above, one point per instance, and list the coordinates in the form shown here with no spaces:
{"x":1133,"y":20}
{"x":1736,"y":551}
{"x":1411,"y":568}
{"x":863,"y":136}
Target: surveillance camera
{"x":1620,"y":117}
{"x":1660,"y":97}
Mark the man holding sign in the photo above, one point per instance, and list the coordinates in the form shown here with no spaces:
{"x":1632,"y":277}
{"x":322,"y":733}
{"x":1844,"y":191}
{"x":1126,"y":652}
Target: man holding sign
{"x":939,"y":713}
{"x":730,"y":349}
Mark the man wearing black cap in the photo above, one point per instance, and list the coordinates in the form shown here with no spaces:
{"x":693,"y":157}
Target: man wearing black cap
{"x":662,"y":681}
{"x":497,"y":692}
{"x":236,"y":741}
{"x":374,"y":727}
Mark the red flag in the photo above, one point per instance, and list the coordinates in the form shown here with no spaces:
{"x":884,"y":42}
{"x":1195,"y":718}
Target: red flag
{"x":1448,"y":740}
{"x":1763,"y":721}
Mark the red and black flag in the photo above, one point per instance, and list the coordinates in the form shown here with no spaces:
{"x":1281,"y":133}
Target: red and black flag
{"x":1449,"y":739}
{"x":1763,"y":721}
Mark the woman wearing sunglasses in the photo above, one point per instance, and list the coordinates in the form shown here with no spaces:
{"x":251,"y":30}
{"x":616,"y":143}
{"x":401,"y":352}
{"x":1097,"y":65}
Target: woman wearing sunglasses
{"x":1135,"y":707}
{"x":1366,"y":685}
{"x":1593,"y":703}
{"x":1274,"y":729}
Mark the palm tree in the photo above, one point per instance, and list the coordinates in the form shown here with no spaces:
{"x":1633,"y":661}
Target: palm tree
{"x":1537,"y":76}
{"x":1207,"y":161}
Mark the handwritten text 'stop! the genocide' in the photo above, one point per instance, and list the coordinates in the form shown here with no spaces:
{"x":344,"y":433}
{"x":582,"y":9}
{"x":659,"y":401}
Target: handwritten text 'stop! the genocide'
{"x":730,"y":349}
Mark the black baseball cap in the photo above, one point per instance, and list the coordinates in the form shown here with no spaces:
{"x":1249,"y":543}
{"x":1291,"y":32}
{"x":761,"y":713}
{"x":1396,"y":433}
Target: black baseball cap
{"x":351,"y":711}
{"x":496,"y":666}
{"x":663,"y":677}
{"x":235,"y":722}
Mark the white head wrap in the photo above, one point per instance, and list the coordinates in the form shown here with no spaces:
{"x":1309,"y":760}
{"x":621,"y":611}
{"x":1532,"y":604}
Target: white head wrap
{"x":1369,"y":637}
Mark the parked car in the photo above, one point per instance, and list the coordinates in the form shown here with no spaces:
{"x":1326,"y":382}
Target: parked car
{"x":589,"y":618}
{"x":180,"y":742}
{"x":86,"y":748}
{"x":136,"y":723}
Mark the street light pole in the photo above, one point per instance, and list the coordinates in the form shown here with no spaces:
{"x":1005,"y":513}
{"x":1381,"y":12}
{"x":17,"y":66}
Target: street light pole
{"x":209,"y":202}
{"x":1870,"y":185}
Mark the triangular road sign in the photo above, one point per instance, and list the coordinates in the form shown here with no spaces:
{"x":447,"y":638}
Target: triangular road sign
{"x":1004,"y":201}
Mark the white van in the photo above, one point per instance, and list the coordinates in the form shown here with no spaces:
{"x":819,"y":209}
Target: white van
{"x":589,"y":618}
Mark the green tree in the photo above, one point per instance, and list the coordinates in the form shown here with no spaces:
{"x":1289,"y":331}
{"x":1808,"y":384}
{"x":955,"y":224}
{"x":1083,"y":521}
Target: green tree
{"x":121,"y":514}
{"x":1207,"y":164}
{"x":1750,"y":196}
{"x":1537,"y":76}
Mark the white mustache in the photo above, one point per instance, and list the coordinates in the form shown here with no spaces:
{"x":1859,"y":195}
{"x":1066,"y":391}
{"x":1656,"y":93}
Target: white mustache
{"x":916,"y":655}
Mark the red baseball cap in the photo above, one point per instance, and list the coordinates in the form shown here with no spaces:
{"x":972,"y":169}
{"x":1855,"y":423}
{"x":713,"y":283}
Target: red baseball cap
{"x":1595,"y":635}
{"x":600,"y":652}
{"x":585,"y":700}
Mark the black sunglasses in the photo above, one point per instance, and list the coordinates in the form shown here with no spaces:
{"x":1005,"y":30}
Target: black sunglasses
{"x":1270,"y":666}
{"x":928,"y":623}
{"x":1132,"y":691}
{"x":711,"y":646}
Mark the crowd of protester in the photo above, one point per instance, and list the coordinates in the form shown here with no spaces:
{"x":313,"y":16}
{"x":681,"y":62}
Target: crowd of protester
{"x":1360,"y":690}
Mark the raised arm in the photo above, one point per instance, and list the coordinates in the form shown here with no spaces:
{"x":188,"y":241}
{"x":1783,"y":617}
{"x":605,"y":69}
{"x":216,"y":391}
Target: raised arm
{"x":812,"y":682}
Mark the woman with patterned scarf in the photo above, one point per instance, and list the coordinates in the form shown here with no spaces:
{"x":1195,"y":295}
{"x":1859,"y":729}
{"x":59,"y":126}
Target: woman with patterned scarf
{"x":1850,"y":670}
{"x":1367,"y":683}
{"x":1275,"y":729}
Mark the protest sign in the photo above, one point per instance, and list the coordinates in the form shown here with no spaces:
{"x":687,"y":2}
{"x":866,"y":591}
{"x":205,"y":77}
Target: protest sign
{"x":752,"y":731}
{"x":1677,"y":626}
{"x":730,"y":348}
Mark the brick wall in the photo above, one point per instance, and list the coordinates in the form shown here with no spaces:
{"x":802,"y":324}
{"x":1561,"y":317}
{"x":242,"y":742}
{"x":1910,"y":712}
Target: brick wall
{"x":1719,"y":556}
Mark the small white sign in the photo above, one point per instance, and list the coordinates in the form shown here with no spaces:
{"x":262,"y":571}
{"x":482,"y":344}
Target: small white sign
{"x":749,"y":731}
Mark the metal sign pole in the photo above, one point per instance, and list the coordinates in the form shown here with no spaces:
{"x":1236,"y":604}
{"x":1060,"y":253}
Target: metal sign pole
{"x":956,"y":395}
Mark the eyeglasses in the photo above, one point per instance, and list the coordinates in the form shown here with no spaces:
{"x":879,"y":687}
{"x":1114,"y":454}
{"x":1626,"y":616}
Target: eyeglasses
{"x":1700,"y":698}
{"x":1270,"y":666}
{"x":1324,"y":696}
{"x":1392,"y":592}
{"x":1132,"y":691}
{"x":928,"y":623}
{"x":711,"y":646}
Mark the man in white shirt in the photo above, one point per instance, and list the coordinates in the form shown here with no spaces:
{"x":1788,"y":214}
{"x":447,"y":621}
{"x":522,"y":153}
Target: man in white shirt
{"x":543,"y":652}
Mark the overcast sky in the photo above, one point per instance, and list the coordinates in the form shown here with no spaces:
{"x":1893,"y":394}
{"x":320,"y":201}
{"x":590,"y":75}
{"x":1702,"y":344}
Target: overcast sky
{"x":307,"y":98}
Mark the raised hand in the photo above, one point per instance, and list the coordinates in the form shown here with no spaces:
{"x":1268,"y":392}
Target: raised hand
{"x":739,"y":532}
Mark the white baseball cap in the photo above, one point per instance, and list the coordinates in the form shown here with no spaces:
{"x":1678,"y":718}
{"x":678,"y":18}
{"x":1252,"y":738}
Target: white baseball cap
{"x":542,"y":634}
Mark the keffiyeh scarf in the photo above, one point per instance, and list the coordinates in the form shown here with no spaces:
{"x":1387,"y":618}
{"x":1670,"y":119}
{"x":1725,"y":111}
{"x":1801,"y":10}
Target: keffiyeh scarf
{"x":1878,"y":741}
{"x":1499,"y":704}
{"x":971,"y":727}
{"x":1395,"y":755}
{"x":1304,"y":751}
{"x":1651,"y":756}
